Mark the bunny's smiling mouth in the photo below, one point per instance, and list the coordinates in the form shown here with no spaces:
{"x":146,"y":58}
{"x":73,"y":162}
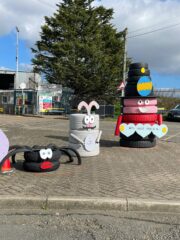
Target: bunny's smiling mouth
{"x":89,"y":127}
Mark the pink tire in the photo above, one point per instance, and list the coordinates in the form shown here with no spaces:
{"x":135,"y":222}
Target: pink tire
{"x":140,"y":109}
{"x":134,"y":102}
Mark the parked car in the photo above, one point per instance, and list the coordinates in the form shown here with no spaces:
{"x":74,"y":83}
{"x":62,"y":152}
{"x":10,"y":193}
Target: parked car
{"x":174,"y":113}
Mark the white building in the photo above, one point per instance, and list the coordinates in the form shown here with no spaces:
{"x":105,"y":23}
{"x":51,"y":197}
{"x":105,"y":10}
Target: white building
{"x":10,"y":81}
{"x":25,"y":92}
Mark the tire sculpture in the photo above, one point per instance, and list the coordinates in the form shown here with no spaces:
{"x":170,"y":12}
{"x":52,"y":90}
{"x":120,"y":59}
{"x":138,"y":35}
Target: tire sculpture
{"x":84,"y":135}
{"x":39,"y":158}
{"x":139,"y":124}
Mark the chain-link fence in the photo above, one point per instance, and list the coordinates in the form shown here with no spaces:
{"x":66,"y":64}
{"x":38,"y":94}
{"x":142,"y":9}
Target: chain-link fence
{"x":167,"y":92}
{"x":105,"y":111}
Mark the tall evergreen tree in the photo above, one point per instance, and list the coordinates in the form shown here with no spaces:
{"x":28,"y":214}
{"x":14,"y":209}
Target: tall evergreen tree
{"x":80,"y":49}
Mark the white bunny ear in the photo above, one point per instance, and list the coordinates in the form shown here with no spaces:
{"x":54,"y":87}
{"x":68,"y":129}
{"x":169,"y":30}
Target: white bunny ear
{"x":93,"y":103}
{"x":85,"y":105}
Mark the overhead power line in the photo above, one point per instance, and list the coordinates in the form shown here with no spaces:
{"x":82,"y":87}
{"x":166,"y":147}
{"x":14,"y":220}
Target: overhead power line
{"x":159,"y":24}
{"x":155,"y":30}
{"x":46,"y":3}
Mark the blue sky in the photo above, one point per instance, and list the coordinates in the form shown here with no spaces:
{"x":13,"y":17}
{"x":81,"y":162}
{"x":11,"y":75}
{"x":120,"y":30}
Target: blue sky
{"x":160,"y":49}
{"x":165,"y":80}
{"x":8,"y":52}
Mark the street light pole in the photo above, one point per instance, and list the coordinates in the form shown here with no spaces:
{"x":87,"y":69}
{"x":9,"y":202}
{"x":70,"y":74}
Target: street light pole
{"x":17,"y":64}
{"x":17,"y":53}
{"x":125,"y":58}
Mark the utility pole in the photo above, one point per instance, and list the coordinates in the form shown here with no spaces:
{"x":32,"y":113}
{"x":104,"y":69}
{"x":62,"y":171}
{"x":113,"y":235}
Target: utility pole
{"x":17,"y":64}
{"x":125,"y":58}
{"x":17,"y":54}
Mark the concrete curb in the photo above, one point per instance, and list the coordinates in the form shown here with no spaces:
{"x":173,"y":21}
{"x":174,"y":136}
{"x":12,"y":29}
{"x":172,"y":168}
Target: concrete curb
{"x":22,"y":202}
{"x":70,"y":203}
{"x":32,"y":115}
{"x":45,"y":116}
{"x":87,"y":203}
{"x":152,"y":205}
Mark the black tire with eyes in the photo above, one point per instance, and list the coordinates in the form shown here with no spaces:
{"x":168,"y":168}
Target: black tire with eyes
{"x":36,"y":166}
{"x":34,"y":156}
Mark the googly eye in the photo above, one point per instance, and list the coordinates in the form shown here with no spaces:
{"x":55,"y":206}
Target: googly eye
{"x":43,"y":153}
{"x":140,"y":102}
{"x":49,"y":153}
{"x":91,"y":119}
{"x":147,"y":102}
{"x":87,"y":119}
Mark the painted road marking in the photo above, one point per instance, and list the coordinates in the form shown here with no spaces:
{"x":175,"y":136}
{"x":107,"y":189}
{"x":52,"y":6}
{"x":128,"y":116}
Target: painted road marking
{"x":172,"y":136}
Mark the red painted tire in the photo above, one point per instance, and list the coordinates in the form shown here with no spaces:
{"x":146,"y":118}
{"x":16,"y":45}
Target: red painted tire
{"x":139,"y":118}
{"x":151,"y":123}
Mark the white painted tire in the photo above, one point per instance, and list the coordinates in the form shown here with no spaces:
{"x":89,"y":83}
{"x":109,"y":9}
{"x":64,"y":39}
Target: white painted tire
{"x":82,"y":135}
{"x":89,"y":147}
{"x":76,"y":121}
{"x":83,"y":152}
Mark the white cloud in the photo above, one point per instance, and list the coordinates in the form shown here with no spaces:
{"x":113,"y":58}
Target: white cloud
{"x":2,"y":68}
{"x":25,"y":67}
{"x":160,"y":49}
{"x":27,"y":15}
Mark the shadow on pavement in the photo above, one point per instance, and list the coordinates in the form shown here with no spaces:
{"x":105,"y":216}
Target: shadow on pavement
{"x":63,"y":138}
{"x":103,"y":143}
{"x":109,"y":143}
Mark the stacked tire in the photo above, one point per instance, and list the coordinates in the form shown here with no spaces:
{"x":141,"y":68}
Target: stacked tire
{"x":139,"y":90}
{"x":34,"y":163}
{"x":134,"y":74}
{"x":87,"y":145}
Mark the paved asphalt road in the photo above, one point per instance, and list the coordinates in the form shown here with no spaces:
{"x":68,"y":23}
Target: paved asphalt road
{"x":88,"y":225}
